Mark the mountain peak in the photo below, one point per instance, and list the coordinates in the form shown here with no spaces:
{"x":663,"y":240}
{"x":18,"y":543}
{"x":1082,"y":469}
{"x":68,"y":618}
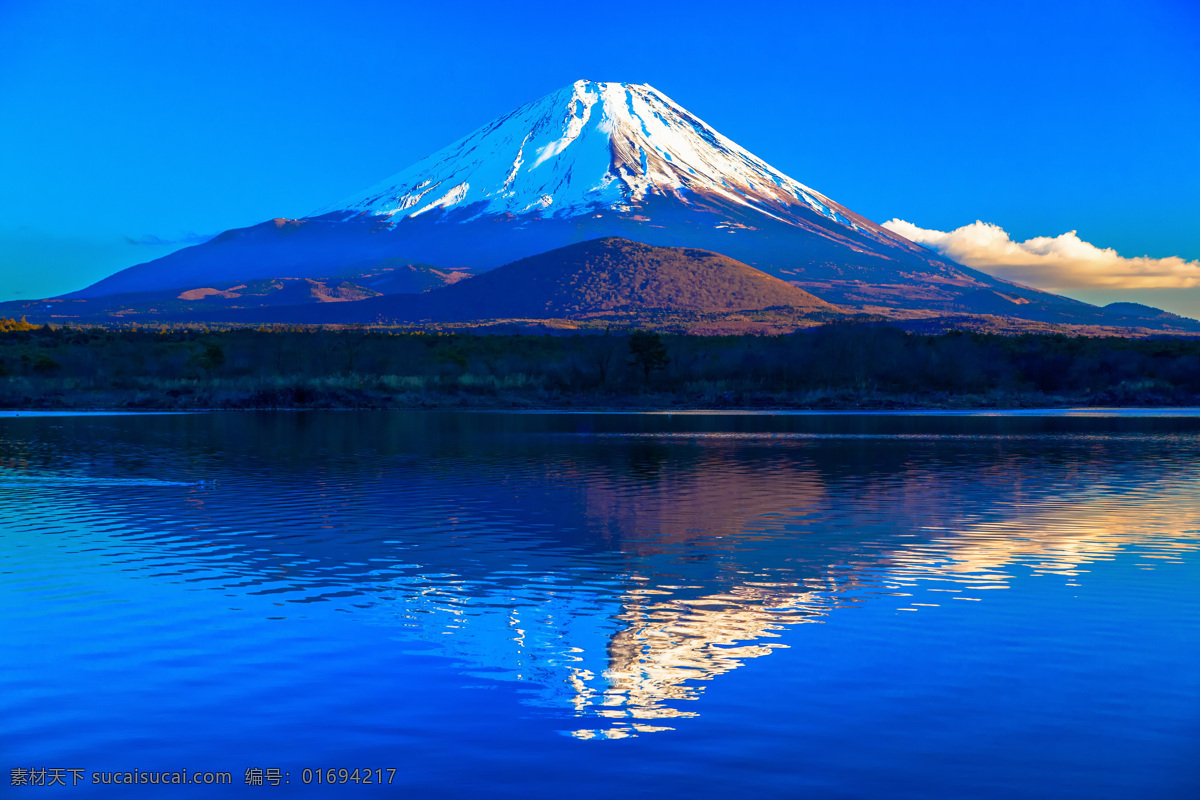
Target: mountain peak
{"x":591,"y":147}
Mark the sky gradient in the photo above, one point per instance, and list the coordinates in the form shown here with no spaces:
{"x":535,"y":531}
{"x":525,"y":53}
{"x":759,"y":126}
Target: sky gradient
{"x":130,"y":129}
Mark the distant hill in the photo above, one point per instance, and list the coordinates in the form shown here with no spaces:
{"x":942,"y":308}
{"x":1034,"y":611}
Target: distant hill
{"x":208,"y":301}
{"x":1149,"y":314}
{"x":602,"y":278}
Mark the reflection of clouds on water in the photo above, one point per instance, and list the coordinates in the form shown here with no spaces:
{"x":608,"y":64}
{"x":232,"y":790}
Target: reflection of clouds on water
{"x":612,"y":577}
{"x":1060,"y":537}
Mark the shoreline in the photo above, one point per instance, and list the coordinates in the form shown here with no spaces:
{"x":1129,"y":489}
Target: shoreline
{"x":142,"y":403}
{"x":1049,"y":411}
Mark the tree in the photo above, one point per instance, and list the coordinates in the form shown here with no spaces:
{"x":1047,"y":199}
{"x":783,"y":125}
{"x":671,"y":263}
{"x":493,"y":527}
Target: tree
{"x":211,"y":358}
{"x":600,"y":351}
{"x":646,"y":349}
{"x":15,"y":325}
{"x":44,"y":363}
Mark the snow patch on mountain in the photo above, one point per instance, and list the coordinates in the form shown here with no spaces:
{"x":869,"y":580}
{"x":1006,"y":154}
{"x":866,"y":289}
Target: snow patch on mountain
{"x":445,"y":201}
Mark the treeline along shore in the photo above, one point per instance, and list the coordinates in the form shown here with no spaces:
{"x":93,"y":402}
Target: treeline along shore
{"x":839,"y":365}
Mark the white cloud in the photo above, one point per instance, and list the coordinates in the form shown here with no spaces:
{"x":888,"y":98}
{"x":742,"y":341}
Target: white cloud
{"x":1051,"y":262}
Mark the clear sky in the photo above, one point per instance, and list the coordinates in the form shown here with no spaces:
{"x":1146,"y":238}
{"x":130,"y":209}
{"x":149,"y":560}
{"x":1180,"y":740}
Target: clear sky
{"x":128,"y":129}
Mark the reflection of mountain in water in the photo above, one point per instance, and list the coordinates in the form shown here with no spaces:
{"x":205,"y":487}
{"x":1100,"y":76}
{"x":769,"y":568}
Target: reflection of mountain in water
{"x":669,"y":643}
{"x":614,"y":573}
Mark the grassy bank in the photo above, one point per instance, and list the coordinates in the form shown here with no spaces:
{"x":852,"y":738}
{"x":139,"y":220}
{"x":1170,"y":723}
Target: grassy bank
{"x":835,"y":366}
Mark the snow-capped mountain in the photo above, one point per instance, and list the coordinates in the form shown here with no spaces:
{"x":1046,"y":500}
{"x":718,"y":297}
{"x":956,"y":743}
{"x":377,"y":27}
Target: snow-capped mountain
{"x":597,"y":160}
{"x":593,"y":147}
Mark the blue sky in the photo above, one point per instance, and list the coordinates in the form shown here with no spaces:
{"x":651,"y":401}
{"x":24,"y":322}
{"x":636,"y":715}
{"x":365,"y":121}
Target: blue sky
{"x":128,"y":129}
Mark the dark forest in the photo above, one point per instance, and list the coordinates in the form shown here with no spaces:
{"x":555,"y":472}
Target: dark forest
{"x":839,"y":365}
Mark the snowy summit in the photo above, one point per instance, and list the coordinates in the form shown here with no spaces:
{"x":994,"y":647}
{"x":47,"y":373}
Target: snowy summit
{"x":587,"y":146}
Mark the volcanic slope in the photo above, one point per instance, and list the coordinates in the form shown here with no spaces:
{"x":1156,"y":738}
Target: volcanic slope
{"x":601,"y":159}
{"x":608,"y":278}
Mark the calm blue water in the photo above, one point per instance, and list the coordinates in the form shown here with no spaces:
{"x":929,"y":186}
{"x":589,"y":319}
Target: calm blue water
{"x":599,"y":605}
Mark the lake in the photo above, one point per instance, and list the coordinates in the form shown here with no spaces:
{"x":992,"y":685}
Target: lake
{"x":595,"y":605}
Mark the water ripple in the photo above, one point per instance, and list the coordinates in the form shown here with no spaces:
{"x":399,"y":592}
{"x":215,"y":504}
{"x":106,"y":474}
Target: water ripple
{"x":615,"y":576}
